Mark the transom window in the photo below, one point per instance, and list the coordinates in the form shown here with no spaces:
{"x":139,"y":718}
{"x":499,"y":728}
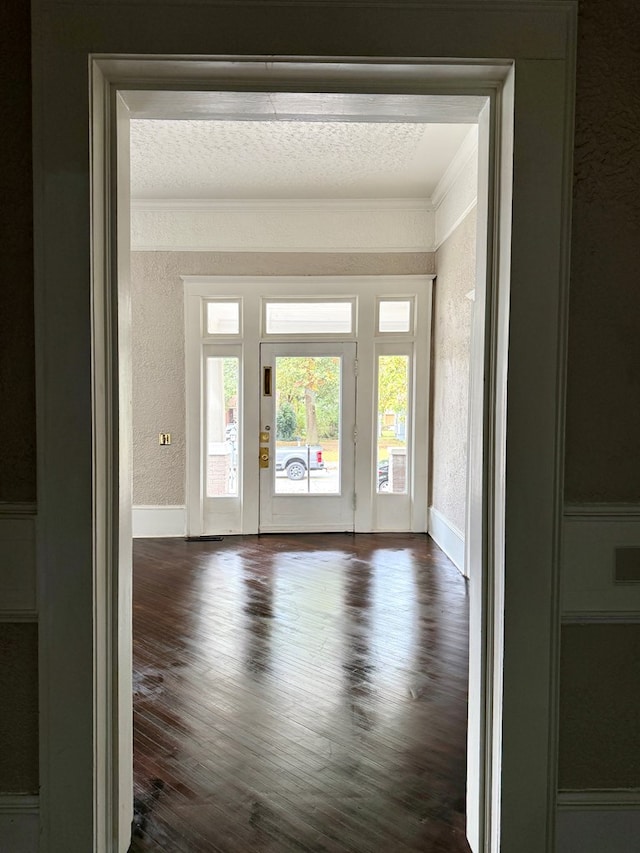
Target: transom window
{"x":309,"y":317}
{"x":394,"y":315}
{"x":222,"y":317}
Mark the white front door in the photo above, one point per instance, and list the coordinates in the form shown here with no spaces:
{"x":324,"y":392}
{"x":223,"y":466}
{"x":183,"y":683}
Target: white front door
{"x":270,"y":373}
{"x":307,"y":435}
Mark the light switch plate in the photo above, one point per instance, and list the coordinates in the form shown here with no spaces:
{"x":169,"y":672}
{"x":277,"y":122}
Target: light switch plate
{"x":164,"y":438}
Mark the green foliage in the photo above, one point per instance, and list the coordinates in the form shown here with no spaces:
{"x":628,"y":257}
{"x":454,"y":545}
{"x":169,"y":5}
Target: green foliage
{"x":286,"y":423}
{"x":311,"y":386}
{"x":230,"y":379}
{"x":393,"y":379}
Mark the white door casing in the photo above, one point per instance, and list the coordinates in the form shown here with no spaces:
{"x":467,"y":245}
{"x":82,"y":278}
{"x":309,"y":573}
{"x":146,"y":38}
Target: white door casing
{"x":75,"y":613}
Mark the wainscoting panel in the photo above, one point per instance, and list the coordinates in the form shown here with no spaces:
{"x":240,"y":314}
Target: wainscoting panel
{"x":17,"y":562}
{"x":19,"y":823}
{"x":589,"y":826}
{"x":447,"y":536}
{"x":592,"y":588}
{"x":600,"y":607}
{"x":599,"y":700}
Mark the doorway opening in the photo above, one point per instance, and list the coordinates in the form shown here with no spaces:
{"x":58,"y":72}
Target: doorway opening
{"x":482,"y":107}
{"x":319,"y":402}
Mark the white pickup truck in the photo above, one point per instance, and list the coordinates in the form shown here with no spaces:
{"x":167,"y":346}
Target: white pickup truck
{"x":294,"y":460}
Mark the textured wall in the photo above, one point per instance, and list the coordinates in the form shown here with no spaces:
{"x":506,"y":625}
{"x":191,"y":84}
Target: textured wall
{"x":19,"y":704}
{"x":17,"y":420}
{"x":158,"y":344}
{"x":158,"y":379}
{"x":599,"y":701}
{"x":603,"y":411}
{"x":456,"y":272}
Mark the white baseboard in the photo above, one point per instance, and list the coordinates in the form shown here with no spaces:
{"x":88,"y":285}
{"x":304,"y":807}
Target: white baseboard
{"x":159,"y":521}
{"x":598,"y":821}
{"x":447,"y":536}
{"x":308,"y":528}
{"x":19,"y":823}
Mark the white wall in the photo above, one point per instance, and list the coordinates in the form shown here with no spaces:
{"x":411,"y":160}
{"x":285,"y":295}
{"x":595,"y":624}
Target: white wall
{"x":452,"y":312}
{"x":314,"y":225}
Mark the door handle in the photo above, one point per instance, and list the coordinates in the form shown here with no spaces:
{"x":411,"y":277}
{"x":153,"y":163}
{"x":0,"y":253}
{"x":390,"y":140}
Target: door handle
{"x":266,"y":382}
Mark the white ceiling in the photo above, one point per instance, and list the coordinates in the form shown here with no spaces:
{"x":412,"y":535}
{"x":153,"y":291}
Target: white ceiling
{"x":187,"y":159}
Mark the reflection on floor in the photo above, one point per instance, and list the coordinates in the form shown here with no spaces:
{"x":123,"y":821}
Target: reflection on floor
{"x":299,"y":693}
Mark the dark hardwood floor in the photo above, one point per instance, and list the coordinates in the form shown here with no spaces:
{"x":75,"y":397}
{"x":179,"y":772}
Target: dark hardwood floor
{"x":299,"y":693}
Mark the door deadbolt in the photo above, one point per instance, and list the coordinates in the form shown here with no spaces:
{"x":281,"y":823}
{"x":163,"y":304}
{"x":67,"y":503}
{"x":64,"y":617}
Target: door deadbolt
{"x":263,"y":458}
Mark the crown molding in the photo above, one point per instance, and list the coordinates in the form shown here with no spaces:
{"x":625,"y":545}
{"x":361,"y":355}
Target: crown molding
{"x":458,"y":221}
{"x":467,"y":150}
{"x":228,"y":205}
{"x":283,"y":225}
{"x":296,"y":250}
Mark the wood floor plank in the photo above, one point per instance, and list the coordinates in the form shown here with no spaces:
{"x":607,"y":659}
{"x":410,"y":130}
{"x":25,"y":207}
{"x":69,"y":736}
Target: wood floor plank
{"x":299,"y":693}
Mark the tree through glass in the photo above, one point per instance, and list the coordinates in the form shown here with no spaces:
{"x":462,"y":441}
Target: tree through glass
{"x":393,"y":402}
{"x":308,"y":424}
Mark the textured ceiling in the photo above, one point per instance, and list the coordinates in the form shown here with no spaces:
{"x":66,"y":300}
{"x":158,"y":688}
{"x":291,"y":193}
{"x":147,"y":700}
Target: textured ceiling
{"x":289,"y":159}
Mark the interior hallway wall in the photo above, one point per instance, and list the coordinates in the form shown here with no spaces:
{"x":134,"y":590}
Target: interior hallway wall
{"x":452,"y":312}
{"x":158,"y":343}
{"x":599,"y":739}
{"x":18,"y":640}
{"x":603,"y":389}
{"x":602,"y":411}
{"x":17,"y":386}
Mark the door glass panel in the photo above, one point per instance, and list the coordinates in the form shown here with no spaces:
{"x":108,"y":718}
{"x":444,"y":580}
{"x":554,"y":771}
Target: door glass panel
{"x":287,"y":318}
{"x":308,"y":425}
{"x":222,"y":423}
{"x":393,"y":401}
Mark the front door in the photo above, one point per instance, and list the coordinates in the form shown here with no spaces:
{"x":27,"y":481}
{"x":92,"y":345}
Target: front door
{"x":307,"y":435}
{"x":271,"y":381}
